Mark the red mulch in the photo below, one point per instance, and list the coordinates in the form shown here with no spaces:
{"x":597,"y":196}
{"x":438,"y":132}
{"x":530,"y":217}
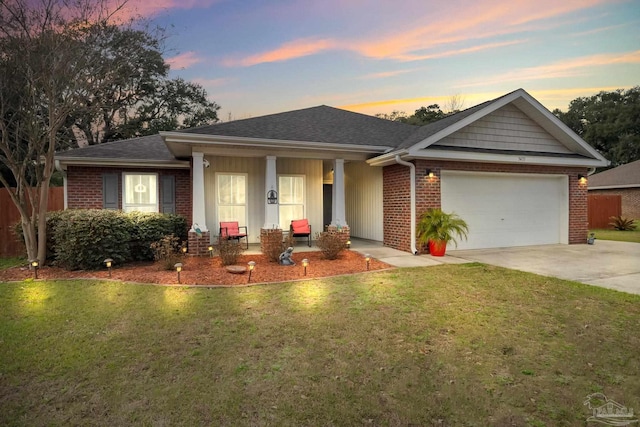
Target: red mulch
{"x":209,"y":271}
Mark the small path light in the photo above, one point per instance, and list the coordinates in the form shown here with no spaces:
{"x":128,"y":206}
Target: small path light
{"x":108,"y":263}
{"x":178,"y":268}
{"x":348,"y":244}
{"x":305,"y":263}
{"x":252,"y":265}
{"x":184,"y":250}
{"x":34,"y":264}
{"x":210,"y":251}
{"x":367,"y":258}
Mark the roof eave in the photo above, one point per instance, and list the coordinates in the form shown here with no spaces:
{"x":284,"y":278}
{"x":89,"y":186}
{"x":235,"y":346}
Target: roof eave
{"x":179,"y":144}
{"x":141,"y":163}
{"x":613,"y":187}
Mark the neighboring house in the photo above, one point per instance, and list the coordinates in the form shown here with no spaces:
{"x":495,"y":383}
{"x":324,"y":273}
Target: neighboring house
{"x":623,"y":181}
{"x":508,"y":167}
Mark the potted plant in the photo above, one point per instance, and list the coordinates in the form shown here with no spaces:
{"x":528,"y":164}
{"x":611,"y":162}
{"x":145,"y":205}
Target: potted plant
{"x":437,"y":228}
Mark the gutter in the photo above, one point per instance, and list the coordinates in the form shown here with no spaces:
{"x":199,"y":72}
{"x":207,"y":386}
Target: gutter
{"x":412,"y":177}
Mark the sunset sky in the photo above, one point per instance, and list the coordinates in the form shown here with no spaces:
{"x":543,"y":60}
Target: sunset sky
{"x":261,"y":57}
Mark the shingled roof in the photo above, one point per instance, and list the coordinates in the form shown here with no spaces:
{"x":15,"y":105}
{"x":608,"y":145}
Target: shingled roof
{"x":315,"y":124}
{"x":623,"y":176}
{"x":146,"y":148}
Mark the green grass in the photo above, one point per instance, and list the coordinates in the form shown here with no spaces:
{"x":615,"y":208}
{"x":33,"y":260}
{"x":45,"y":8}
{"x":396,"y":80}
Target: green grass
{"x":467,"y":345}
{"x":11,"y":262}
{"x":620,"y":236}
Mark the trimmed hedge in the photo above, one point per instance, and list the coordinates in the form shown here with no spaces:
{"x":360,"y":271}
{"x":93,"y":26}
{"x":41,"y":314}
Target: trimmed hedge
{"x":83,"y":238}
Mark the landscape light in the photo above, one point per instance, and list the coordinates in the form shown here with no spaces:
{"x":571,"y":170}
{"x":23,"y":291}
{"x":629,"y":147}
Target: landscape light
{"x":184,"y":249}
{"x":348,"y":244}
{"x":305,"y":263}
{"x":108,"y":263}
{"x":34,"y":263}
{"x":210,"y":251}
{"x":178,"y":268}
{"x":367,"y":258}
{"x":252,"y":265}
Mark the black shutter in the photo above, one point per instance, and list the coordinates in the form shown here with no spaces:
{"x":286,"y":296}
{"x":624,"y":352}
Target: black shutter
{"x":168,"y":188}
{"x":110,"y":191}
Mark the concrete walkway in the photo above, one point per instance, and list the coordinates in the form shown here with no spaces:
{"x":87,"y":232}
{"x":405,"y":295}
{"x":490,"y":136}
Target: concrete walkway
{"x":398,"y":258}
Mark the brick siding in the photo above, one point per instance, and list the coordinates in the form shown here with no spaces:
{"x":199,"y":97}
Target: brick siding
{"x":84,"y":187}
{"x":630,"y":200}
{"x":397,"y":199}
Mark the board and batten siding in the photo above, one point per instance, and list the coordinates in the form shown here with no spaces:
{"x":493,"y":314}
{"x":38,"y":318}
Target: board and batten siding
{"x":507,"y":128}
{"x":363,"y":193}
{"x":255,"y":167}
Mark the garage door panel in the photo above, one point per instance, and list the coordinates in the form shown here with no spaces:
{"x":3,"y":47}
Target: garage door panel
{"x":505,"y":210}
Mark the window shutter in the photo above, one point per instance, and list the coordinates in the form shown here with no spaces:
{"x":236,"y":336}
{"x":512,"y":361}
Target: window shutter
{"x":168,"y":188}
{"x":110,"y":191}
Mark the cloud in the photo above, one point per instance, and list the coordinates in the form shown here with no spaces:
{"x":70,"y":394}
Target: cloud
{"x":385,"y":74}
{"x":287,"y":51}
{"x":146,"y":8}
{"x":184,"y":60}
{"x":561,"y":69}
{"x":427,"y":31}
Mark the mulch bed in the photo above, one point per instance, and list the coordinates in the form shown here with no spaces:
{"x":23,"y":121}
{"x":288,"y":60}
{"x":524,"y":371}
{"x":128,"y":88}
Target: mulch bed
{"x":210,"y":271}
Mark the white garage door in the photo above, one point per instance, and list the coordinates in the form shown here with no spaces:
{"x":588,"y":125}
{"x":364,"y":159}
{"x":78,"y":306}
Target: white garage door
{"x":505,"y":210}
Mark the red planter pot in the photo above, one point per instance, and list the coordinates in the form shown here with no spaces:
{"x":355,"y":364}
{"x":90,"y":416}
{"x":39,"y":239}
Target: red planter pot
{"x":437,"y":247}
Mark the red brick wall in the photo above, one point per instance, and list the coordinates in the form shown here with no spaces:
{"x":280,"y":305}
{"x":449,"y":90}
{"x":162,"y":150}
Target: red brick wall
{"x":396,"y":204}
{"x":84,"y":187}
{"x":630,"y":200}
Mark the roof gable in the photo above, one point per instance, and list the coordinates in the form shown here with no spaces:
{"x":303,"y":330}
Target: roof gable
{"x":623,"y":176}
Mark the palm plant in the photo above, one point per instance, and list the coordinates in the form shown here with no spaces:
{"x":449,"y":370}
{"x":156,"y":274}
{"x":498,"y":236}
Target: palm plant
{"x":440,"y":226}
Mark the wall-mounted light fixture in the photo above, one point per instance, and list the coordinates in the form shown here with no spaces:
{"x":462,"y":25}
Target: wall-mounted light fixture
{"x":305,"y":263}
{"x":34,"y":264}
{"x":582,"y":179}
{"x":252,"y":265}
{"x":367,"y":258}
{"x":178,"y":268}
{"x":429,"y":173}
{"x":108,"y":262}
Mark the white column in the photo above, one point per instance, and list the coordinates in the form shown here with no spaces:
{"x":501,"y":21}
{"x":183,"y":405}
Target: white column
{"x":198,"y":213}
{"x":338,"y":216}
{"x":271,"y":217}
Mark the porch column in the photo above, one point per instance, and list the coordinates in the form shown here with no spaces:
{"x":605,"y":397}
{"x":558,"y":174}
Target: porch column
{"x":338,"y":216}
{"x":198,"y":214}
{"x":271,"y":219}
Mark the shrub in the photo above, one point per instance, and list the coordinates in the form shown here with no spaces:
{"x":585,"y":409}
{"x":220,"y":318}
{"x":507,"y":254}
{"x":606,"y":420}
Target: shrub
{"x":167,"y":251}
{"x":622,"y":224}
{"x":229,"y":250}
{"x":275,"y":245}
{"x":85,"y":237}
{"x":330,"y":244}
{"x":151,"y":227}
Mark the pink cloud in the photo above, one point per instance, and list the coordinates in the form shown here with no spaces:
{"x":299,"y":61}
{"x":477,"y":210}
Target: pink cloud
{"x":561,"y":69}
{"x":285,"y":52}
{"x":184,"y":60}
{"x":146,"y":8}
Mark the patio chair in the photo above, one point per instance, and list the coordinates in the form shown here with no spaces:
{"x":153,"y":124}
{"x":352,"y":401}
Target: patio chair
{"x":231,"y":230}
{"x":301,"y":228}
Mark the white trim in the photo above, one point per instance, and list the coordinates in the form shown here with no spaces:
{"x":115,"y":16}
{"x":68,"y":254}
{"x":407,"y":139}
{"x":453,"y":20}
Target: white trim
{"x":613,"y":187}
{"x":198,"y":203}
{"x":169,"y":164}
{"x":412,"y":201}
{"x":338,"y":206}
{"x":515,"y":159}
{"x":124,"y":189}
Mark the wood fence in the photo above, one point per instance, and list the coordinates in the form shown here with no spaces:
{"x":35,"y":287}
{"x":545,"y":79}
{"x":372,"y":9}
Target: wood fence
{"x":601,"y":208}
{"x":9,"y":217}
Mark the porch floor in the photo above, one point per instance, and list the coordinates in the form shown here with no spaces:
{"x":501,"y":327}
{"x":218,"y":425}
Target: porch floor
{"x":377,"y":250}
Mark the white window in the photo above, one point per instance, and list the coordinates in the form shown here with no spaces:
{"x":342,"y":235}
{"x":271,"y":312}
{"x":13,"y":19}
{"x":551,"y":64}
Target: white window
{"x":290,"y":199}
{"x":140,"y":192}
{"x":232,"y":197}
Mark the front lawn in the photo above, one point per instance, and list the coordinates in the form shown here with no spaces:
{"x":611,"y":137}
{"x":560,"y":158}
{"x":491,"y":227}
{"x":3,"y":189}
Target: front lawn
{"x":620,"y":236}
{"x":453,"y":345}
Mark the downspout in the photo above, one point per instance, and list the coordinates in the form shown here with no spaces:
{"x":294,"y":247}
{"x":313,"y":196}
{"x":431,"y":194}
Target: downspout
{"x":591,"y":171}
{"x":412,"y":178}
{"x":64,"y":181}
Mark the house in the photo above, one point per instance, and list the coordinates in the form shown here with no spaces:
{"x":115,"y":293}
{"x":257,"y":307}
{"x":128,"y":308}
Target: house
{"x":508,"y":167}
{"x":623,"y":181}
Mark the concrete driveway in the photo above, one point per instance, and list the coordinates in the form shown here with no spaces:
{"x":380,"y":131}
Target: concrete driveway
{"x":614,"y":265}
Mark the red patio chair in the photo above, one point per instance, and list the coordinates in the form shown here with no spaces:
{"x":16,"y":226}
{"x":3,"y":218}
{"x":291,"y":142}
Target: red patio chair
{"x":231,"y":230}
{"x":301,"y":228}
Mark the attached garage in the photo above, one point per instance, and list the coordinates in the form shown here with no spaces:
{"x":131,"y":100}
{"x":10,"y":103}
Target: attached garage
{"x":505,"y":210}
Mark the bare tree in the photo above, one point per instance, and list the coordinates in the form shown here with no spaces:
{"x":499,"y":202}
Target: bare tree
{"x":44,"y":70}
{"x":454,"y":104}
